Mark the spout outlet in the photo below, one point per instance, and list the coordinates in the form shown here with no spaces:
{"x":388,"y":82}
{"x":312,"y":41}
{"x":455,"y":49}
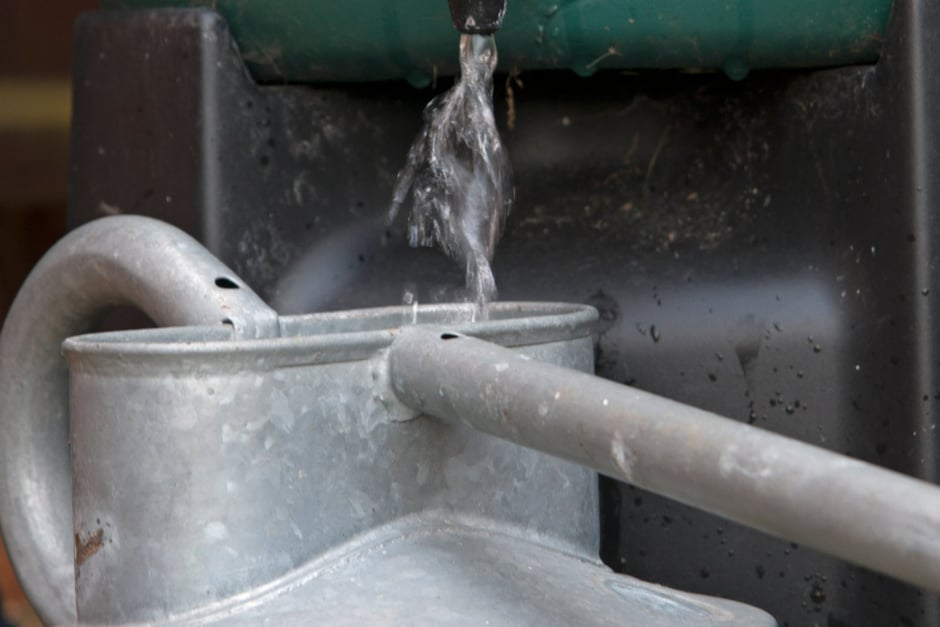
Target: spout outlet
{"x":477,"y":17}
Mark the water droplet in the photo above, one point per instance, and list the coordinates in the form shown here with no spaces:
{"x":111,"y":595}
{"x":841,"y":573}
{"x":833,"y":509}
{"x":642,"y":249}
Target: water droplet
{"x":788,"y":409}
{"x":654,"y":333}
{"x":817,"y":348}
{"x":817,"y":594}
{"x":712,"y":377}
{"x":736,"y":68}
{"x":641,"y":328}
{"x":925,"y":292}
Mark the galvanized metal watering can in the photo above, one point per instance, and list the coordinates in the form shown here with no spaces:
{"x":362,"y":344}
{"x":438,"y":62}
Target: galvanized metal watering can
{"x":234,"y":466}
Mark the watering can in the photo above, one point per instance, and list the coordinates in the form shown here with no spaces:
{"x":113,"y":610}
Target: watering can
{"x":395,"y":465}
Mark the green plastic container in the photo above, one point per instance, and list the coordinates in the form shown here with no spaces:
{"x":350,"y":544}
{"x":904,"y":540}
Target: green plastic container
{"x":366,"y":40}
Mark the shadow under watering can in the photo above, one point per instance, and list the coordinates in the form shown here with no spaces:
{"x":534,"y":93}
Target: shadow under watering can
{"x":394,"y":465}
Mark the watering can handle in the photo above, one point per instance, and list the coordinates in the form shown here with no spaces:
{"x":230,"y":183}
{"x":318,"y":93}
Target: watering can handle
{"x":119,"y":260}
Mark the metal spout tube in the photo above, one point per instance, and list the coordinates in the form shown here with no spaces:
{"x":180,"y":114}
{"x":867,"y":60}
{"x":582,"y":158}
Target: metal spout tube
{"x":874,"y":517}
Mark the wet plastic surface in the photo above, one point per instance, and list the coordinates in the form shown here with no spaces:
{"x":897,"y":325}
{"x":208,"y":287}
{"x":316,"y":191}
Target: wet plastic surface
{"x":358,"y":40}
{"x":760,"y":249}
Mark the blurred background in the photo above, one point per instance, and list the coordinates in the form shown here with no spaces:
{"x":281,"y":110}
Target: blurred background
{"x":35,"y":64}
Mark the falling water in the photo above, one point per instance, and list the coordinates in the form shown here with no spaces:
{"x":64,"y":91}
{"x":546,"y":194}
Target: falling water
{"x":409,"y":301}
{"x":459,"y":173}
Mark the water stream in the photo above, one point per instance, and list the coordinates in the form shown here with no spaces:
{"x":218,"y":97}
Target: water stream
{"x":458,"y":173}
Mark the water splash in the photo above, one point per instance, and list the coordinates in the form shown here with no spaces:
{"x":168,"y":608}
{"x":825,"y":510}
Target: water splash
{"x":459,"y":173}
{"x":409,"y":301}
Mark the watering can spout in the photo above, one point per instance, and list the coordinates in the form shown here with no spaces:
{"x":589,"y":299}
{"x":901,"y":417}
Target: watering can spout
{"x":857,"y":511}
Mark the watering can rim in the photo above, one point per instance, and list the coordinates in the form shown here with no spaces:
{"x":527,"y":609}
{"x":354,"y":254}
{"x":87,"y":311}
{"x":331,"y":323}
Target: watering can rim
{"x":331,"y":336}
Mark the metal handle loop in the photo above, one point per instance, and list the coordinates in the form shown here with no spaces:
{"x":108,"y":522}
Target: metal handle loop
{"x":119,"y":260}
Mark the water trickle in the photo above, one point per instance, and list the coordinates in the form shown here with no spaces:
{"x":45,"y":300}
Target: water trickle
{"x":409,"y":301}
{"x":459,"y":174}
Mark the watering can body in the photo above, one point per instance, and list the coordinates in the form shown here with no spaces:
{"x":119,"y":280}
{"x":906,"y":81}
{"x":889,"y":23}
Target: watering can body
{"x":203,"y":467}
{"x":238,"y":467}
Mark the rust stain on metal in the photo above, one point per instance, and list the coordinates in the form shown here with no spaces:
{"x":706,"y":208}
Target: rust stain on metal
{"x":88,"y":547}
